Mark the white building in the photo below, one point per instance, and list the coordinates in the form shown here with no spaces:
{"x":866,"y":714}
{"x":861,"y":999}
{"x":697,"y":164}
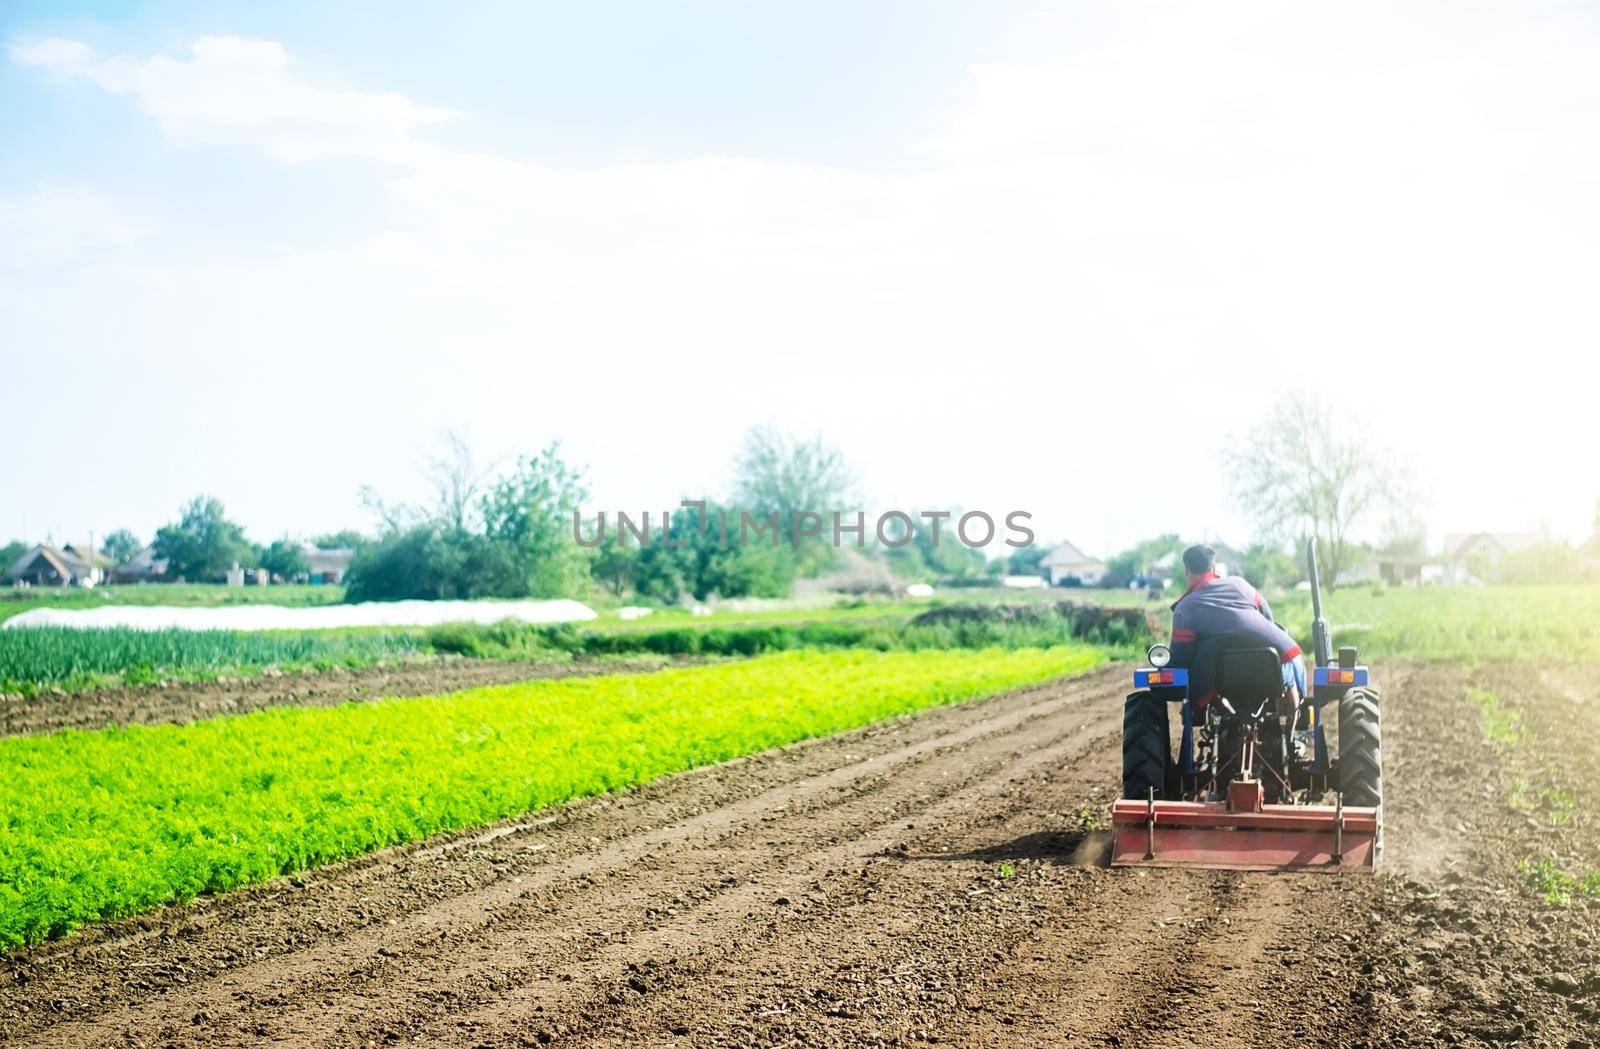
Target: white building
{"x":1066,"y":565}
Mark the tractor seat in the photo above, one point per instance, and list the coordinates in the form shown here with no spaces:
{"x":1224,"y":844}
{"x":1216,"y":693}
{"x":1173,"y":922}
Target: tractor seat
{"x":1249,"y":676}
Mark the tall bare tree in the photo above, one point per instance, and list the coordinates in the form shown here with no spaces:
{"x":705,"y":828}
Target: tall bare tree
{"x":777,"y":472}
{"x":1304,"y":472}
{"x":457,"y":479}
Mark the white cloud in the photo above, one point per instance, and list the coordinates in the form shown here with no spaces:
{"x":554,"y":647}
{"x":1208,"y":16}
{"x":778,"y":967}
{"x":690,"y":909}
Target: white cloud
{"x":53,"y":226}
{"x":237,"y":90}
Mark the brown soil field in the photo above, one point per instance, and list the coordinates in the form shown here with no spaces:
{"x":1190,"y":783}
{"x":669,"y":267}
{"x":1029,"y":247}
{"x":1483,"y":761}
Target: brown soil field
{"x":181,"y":701}
{"x":932,"y":879}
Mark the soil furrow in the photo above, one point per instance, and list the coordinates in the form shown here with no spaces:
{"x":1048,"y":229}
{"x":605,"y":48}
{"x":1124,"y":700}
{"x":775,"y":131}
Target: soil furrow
{"x":179,"y":702}
{"x":843,"y":843}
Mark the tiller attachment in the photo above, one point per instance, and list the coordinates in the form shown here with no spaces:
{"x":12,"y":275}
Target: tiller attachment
{"x":1242,"y":833}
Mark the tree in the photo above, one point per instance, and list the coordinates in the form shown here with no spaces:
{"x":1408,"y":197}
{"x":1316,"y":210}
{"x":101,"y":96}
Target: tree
{"x":1300,"y":474}
{"x":11,"y":552}
{"x":616,"y":566}
{"x":1027,"y":561}
{"x":418,"y":562}
{"x":1266,"y":565}
{"x":457,"y":480}
{"x":777,"y":473}
{"x":1133,"y":562}
{"x":203,"y":545}
{"x":693,"y":558}
{"x":121,"y":546}
{"x":509,"y":538}
{"x":348,"y":539}
{"x":286,"y":560}
{"x":529,"y":513}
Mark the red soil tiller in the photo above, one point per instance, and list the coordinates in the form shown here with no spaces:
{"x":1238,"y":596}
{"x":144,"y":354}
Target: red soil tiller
{"x":1251,"y":785}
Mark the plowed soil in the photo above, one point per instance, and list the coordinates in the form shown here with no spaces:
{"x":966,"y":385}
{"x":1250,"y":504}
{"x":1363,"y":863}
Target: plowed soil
{"x":931,"y":879}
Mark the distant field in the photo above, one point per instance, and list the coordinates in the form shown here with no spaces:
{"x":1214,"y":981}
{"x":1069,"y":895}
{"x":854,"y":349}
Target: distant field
{"x":1459,"y":624}
{"x":15,"y":599}
{"x":36,"y":659}
{"x":1462,"y":623}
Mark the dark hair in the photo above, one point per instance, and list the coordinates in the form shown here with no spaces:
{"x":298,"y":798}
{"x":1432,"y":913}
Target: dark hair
{"x":1200,"y":559}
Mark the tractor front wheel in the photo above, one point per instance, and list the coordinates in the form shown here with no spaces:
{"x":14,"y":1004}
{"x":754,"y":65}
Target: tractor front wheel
{"x":1146,"y":749}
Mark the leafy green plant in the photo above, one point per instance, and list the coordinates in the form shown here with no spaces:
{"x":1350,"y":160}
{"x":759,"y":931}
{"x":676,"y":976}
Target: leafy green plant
{"x":1557,"y":887}
{"x":1087,"y":819}
{"x":1559,"y":804}
{"x":1518,"y":798}
{"x":1501,"y":724}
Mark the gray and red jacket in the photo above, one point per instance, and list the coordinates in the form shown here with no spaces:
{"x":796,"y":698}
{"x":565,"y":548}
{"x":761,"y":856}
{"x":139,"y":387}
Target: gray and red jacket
{"x":1216,"y":613}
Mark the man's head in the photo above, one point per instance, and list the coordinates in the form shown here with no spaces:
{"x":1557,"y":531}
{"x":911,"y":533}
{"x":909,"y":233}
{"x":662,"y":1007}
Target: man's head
{"x":1198,"y":560}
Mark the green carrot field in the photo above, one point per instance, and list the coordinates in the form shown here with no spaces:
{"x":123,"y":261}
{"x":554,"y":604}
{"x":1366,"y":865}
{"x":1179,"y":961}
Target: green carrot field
{"x":105,"y":824}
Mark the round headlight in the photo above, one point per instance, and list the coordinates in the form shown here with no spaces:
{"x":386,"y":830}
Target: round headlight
{"x":1160,"y":655}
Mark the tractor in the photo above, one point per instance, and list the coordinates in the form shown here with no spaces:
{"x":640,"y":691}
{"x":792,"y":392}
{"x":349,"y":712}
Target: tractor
{"x":1252,"y":785}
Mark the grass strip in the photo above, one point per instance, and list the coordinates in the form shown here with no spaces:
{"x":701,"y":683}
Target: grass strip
{"x":37,"y":658}
{"x":101,"y":825}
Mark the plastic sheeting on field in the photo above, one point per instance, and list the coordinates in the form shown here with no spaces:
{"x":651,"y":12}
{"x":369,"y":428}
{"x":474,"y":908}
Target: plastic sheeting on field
{"x":316,"y":617}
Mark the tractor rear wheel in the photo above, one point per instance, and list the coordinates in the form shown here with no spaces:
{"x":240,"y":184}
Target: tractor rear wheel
{"x":1146,"y":749}
{"x":1360,"y":752}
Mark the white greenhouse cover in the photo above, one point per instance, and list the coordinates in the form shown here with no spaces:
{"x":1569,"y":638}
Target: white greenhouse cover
{"x":317,"y":617}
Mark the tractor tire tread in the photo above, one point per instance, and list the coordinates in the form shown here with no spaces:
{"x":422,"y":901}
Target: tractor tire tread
{"x":1145,"y":746}
{"x":1360,"y":748}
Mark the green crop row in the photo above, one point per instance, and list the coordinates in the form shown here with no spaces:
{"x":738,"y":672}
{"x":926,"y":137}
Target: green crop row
{"x":1033,"y":627}
{"x":36,"y":658}
{"x":42,"y":657}
{"x":104,"y":824}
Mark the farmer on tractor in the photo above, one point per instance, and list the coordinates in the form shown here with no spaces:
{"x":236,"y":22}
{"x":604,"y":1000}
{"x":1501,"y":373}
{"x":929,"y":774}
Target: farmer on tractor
{"x":1218,"y":612}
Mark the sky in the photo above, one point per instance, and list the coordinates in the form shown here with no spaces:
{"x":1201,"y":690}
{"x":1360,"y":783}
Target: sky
{"x":1047,"y":257}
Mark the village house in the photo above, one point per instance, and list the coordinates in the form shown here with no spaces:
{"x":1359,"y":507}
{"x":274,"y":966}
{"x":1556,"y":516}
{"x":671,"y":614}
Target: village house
{"x":143,"y":567}
{"x":1066,"y":565}
{"x":49,"y":565}
{"x":328,"y":567}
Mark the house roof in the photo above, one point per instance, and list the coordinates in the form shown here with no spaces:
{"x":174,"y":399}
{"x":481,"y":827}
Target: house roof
{"x":1065,"y":555}
{"x":1508,"y":542}
{"x":83,"y":555}
{"x":145,"y":563}
{"x":66,"y":565}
